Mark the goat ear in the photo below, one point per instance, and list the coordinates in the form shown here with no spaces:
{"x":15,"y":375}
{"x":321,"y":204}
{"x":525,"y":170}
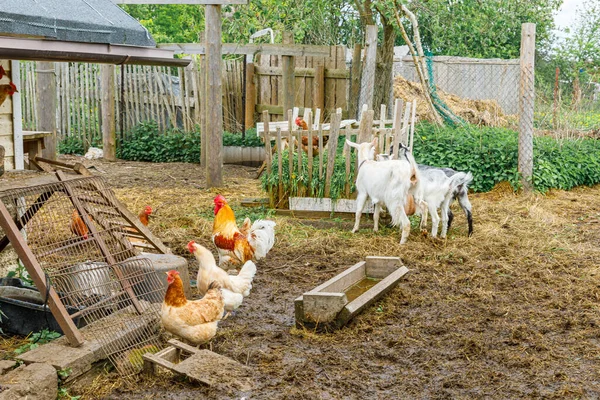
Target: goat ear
{"x":374,"y":142}
{"x":349,"y":143}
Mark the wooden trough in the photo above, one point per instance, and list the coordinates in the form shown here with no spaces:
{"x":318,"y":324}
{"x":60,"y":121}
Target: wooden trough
{"x":334,"y":303}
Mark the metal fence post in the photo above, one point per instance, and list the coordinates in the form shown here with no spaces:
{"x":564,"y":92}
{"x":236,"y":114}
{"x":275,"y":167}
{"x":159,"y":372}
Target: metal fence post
{"x":526,"y":104}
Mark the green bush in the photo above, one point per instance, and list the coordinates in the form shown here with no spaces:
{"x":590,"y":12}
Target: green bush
{"x":490,"y":154}
{"x":72,"y":145}
{"x":146,"y":143}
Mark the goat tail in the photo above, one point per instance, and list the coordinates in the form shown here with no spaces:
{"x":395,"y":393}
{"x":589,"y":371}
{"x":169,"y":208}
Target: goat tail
{"x":460,"y":178}
{"x":414,"y":171}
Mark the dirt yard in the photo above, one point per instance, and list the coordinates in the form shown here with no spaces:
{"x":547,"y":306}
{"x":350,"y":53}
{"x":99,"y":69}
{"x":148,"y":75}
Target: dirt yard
{"x":511,"y":312}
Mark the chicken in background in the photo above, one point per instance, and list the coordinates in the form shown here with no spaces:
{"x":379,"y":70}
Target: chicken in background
{"x":7,"y":89}
{"x":315,"y":139}
{"x":237,"y":246}
{"x":144,"y":215}
{"x":235,"y":288}
{"x":195,"y":321}
{"x":2,"y":72}
{"x":78,"y":227}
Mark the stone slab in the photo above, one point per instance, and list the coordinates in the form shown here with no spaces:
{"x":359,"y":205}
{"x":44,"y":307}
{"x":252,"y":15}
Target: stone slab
{"x":6,"y":365}
{"x":37,"y":381}
{"x":61,"y":357}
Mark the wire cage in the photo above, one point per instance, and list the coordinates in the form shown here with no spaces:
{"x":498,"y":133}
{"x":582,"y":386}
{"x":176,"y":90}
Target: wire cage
{"x":78,"y":234}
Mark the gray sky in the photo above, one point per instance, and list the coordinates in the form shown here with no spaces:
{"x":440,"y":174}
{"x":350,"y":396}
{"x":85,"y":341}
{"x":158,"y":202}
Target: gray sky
{"x":567,"y":13}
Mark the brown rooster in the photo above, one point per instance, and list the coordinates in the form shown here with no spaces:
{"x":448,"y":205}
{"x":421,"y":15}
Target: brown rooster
{"x":315,"y":140}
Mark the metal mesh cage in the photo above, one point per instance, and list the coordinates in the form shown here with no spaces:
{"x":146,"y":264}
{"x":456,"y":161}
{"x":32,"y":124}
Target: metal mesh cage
{"x":78,"y":235}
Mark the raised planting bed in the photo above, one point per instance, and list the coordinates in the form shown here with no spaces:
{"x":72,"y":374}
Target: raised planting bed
{"x":334,"y":303}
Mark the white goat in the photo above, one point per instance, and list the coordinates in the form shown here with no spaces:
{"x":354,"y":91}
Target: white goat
{"x":437,"y":189}
{"x":386,"y":182}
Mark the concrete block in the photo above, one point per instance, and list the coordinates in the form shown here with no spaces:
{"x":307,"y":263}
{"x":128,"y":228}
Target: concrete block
{"x":61,"y":357}
{"x":6,"y":365}
{"x":37,"y":381}
{"x":163,"y":263}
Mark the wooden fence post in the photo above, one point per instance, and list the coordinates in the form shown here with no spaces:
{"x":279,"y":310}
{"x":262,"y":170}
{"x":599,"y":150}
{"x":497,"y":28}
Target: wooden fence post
{"x":288,"y":75}
{"x":368,"y":76}
{"x":319,"y":88}
{"x":526,"y":105}
{"x":46,"y":104}
{"x":355,"y":82}
{"x":214,"y":100}
{"x":108,"y":112}
{"x":250,"y":96}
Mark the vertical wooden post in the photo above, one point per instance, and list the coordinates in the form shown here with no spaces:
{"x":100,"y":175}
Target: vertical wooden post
{"x":108,"y":112}
{"x":287,"y":63}
{"x":555,"y":110}
{"x":319,"y":88}
{"x":214,"y":100}
{"x":526,"y":105}
{"x":46,"y":106}
{"x":368,"y":76}
{"x":17,"y":119}
{"x":250,"y":96}
{"x":355,"y":82}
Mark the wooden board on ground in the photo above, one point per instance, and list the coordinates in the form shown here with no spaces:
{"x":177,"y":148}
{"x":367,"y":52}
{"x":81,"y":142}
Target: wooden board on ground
{"x":326,"y":205}
{"x":202,"y":366}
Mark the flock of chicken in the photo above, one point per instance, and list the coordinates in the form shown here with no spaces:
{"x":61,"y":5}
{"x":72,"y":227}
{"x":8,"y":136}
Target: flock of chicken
{"x":196,"y":320}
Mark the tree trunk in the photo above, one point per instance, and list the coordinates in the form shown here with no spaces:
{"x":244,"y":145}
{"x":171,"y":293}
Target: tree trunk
{"x":385,"y":65}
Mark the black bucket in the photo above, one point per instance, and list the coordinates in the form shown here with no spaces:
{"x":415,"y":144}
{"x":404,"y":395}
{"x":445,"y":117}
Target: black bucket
{"x":24,"y":310}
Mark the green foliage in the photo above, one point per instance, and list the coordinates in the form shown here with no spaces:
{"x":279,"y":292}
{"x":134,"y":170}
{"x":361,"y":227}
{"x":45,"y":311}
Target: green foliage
{"x":312,"y":21}
{"x":481,"y":29}
{"x":41,"y":337}
{"x":21,"y":273}
{"x":146,"y":143}
{"x":490,"y":154}
{"x":72,"y":145}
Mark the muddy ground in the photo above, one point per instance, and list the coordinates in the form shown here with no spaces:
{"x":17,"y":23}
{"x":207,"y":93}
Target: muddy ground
{"x":511,"y":312}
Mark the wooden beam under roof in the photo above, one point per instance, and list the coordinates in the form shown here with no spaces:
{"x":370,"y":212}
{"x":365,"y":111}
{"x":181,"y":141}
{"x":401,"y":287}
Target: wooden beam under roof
{"x":296,"y":50}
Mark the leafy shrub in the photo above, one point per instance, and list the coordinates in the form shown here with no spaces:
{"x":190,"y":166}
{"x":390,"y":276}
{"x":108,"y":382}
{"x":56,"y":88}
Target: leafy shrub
{"x":146,"y":143}
{"x":490,"y":154}
{"x":72,"y":145}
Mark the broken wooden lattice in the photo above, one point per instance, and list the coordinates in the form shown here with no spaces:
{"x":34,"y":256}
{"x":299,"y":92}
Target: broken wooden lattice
{"x":93,"y":281}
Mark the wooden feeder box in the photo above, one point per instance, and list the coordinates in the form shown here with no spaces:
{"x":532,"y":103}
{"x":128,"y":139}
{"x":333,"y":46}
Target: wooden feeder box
{"x":334,"y":303}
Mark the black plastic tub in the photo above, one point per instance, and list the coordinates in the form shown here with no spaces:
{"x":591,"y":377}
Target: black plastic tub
{"x":24,"y":311}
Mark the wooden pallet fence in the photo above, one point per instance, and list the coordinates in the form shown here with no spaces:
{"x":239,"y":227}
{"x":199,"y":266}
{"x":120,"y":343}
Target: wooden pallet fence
{"x":299,"y":178}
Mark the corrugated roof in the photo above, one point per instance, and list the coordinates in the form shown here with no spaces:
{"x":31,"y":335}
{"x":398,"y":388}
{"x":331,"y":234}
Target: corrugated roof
{"x":88,"y":21}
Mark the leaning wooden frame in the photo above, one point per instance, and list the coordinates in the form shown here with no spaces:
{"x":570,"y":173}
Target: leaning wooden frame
{"x":314,"y":169}
{"x":74,"y":238}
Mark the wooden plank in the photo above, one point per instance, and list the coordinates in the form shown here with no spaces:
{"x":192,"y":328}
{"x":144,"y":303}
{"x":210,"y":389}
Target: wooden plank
{"x":380,"y":267}
{"x":343,"y":280}
{"x":329,"y":73}
{"x":368,"y":75}
{"x":288,"y":75}
{"x":299,"y":81}
{"x":308,"y":84}
{"x":276,"y":86}
{"x":526,"y":105}
{"x":214,"y":97}
{"x":109,"y":139}
{"x":330,"y":84}
{"x":279,"y":165}
{"x":355,"y":73}
{"x":290,"y":145}
{"x":370,"y":296}
{"x":381,"y":133}
{"x":366,"y":127}
{"x":332,"y":147}
{"x":250,"y":96}
{"x":321,"y":149}
{"x":264,"y":49}
{"x":15,"y":70}
{"x":326,"y":205}
{"x":308,"y":119}
{"x":397,"y":126}
{"x":46,"y":102}
{"x":268,"y":153}
{"x":36,"y":273}
{"x":348,"y":158}
{"x":319,"y":87}
{"x":412,"y":123}
{"x":341,"y":86}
